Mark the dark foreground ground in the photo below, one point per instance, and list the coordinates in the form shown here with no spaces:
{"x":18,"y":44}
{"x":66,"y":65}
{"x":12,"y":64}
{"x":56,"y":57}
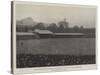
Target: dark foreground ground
{"x":29,"y":60}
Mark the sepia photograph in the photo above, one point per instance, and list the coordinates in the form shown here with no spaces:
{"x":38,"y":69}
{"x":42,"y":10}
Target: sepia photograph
{"x":53,"y":35}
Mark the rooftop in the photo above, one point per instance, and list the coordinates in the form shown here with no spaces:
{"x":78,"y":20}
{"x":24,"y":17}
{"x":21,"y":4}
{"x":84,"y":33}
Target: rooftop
{"x":24,"y":33}
{"x":43,"y":31}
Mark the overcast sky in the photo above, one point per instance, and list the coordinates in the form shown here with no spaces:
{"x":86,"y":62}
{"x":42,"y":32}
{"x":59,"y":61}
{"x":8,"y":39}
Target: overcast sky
{"x":81,"y":16}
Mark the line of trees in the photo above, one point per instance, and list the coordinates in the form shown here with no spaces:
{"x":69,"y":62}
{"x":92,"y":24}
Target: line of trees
{"x":54,"y":28}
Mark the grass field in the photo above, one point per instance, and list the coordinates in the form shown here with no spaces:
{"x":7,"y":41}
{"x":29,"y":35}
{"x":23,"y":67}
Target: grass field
{"x":73,"y":46}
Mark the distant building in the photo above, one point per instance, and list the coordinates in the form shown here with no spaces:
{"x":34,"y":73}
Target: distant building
{"x":63,"y":23}
{"x":43,"y":33}
{"x":25,"y":35}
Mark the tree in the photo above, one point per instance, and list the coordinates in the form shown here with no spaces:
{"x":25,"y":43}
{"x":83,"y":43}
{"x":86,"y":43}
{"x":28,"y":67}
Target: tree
{"x":76,"y":29}
{"x":61,"y":27}
{"x":81,"y":27}
{"x":39,"y":26}
{"x":52,"y":27}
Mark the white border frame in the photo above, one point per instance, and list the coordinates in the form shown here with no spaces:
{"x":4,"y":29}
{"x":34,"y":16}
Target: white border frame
{"x":51,"y":68}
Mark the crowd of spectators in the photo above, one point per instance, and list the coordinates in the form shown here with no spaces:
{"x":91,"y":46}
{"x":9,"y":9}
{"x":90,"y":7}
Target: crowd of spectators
{"x":28,"y":60}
